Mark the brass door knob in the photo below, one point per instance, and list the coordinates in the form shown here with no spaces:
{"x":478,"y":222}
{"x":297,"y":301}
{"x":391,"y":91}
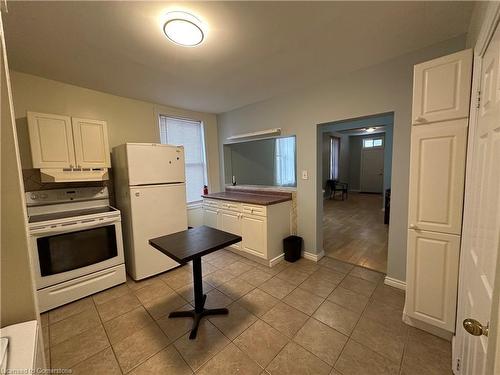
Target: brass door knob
{"x":475,"y":328}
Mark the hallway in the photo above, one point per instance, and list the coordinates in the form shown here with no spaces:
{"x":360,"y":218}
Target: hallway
{"x":354,"y":230}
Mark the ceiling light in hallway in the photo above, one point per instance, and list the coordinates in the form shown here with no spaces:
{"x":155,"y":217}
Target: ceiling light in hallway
{"x":370,"y":130}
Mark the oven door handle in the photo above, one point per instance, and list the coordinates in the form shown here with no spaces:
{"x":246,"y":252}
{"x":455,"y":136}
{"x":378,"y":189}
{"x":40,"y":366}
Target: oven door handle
{"x":73,"y":225}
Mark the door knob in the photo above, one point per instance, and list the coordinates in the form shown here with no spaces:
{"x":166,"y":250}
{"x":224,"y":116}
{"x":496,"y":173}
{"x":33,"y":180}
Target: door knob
{"x":475,"y":328}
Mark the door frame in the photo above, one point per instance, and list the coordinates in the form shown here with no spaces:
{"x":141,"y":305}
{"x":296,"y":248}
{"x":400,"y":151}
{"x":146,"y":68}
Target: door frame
{"x":491,"y":22}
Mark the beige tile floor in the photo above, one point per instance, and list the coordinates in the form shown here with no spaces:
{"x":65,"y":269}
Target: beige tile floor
{"x":302,"y":318}
{"x":354,"y":230}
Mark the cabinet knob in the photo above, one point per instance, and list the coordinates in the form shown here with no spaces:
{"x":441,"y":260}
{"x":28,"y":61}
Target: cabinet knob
{"x":420,"y":119}
{"x":413,"y":226}
{"x":137,"y":194}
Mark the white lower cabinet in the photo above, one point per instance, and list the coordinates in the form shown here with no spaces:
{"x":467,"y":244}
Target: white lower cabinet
{"x":254,"y":230}
{"x":262,"y":228}
{"x":211,"y":216}
{"x":230,"y":221}
{"x":432,"y":277}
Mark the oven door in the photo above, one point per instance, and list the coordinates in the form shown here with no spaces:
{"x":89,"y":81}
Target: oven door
{"x":72,"y":249}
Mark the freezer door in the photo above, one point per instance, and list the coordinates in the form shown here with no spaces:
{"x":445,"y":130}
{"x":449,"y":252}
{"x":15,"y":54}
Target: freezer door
{"x":157,"y":210}
{"x":151,"y":163}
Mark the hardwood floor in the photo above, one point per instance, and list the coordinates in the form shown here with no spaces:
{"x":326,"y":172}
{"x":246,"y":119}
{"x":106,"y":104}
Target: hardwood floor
{"x":354,"y":231}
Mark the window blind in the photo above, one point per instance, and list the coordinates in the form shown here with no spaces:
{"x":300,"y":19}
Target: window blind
{"x":188,"y":133}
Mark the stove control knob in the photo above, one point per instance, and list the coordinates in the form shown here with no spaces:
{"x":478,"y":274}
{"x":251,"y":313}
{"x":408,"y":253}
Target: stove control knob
{"x":34,"y":196}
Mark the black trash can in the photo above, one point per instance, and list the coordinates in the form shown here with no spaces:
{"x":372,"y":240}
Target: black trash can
{"x":292,"y":246}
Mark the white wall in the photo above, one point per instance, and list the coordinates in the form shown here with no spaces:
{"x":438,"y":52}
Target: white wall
{"x":382,"y":88}
{"x":128,"y":120}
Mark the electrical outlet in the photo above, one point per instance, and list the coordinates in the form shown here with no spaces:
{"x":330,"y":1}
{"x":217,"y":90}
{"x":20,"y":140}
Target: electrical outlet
{"x":305,"y":175}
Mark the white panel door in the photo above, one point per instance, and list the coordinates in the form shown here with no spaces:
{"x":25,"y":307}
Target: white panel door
{"x":151,"y":163}
{"x":211,"y":217}
{"x":91,"y":143}
{"x":230,"y":221}
{"x":372,"y":170}
{"x":253,"y":232}
{"x":481,"y":237}
{"x":437,"y":170}
{"x":441,"y":88}
{"x":51,"y":140}
{"x":432,"y":277}
{"x":156,"y":211}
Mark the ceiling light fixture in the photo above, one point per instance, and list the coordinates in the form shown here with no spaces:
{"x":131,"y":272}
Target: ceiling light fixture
{"x":183,"y":29}
{"x":370,"y":130}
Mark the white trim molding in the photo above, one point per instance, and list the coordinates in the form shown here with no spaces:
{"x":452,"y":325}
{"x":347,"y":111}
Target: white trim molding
{"x":436,"y":331}
{"x":256,"y":134}
{"x":276,"y":260}
{"x":395,"y":283}
{"x":313,"y":256}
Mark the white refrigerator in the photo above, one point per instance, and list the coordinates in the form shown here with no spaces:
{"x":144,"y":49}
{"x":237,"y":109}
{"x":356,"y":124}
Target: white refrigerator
{"x":150,"y":190}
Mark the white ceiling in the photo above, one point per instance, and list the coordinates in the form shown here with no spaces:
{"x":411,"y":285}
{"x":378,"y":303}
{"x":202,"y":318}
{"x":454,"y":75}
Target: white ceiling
{"x":253,"y":50}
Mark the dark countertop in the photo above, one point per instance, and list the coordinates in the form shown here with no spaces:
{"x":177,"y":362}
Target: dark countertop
{"x":259,"y":198}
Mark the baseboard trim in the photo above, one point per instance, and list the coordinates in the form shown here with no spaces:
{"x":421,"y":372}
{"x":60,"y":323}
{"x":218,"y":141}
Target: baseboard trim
{"x":313,"y":256}
{"x":276,"y":260}
{"x":436,"y":331}
{"x":395,"y":283}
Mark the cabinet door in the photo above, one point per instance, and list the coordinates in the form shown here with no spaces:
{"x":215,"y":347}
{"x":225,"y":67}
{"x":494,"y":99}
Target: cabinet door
{"x":441,"y":88}
{"x":432,"y":277}
{"x":210,"y":217}
{"x":437,"y":171}
{"x":230,"y":221}
{"x":51,"y":140}
{"x":91,"y":143}
{"x":254,"y":234}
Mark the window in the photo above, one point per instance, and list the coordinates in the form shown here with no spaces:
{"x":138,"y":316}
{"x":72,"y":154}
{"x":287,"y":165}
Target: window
{"x":189,"y":134}
{"x":334,"y":157}
{"x":285,"y":161}
{"x":373,"y":142}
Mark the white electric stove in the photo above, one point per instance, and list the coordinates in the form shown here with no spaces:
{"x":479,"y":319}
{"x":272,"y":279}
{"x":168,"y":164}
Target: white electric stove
{"x":76,"y":244}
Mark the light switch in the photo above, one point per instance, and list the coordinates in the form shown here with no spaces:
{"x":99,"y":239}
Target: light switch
{"x":304,"y":175}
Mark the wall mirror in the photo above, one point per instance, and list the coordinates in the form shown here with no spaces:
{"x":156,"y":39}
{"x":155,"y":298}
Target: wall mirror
{"x":268,"y":162}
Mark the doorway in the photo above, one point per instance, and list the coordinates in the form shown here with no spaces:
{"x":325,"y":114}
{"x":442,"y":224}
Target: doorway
{"x":356,"y":179}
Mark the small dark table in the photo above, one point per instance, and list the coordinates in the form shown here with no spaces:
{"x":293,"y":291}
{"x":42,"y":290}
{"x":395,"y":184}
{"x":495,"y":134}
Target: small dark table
{"x":188,"y":245}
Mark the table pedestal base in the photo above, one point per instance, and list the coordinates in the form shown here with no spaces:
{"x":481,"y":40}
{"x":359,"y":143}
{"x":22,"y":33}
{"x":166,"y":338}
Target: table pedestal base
{"x":199,"y":310}
{"x":197,"y":315}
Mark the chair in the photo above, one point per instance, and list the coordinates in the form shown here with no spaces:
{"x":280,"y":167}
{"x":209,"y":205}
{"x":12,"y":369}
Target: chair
{"x":337,"y":186}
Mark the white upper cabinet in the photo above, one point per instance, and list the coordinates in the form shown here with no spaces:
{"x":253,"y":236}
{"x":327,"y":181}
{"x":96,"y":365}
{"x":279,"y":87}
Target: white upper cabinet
{"x":51,"y":140}
{"x":437,"y":170}
{"x":441,"y":88}
{"x":62,"y":142}
{"x":91,"y":143}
